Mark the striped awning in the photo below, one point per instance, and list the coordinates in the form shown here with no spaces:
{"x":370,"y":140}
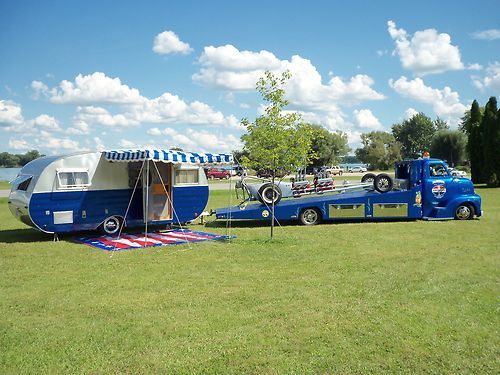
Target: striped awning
{"x":168,"y":156}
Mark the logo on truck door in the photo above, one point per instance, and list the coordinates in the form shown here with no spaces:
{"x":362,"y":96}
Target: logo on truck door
{"x":439,"y":189}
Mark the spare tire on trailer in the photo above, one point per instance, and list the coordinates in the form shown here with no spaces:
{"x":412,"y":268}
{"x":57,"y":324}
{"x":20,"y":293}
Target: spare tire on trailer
{"x":383,"y":183}
{"x":269,"y":192}
{"x":369,"y":177}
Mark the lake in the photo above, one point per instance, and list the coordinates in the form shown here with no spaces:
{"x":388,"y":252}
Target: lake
{"x":8,"y":174}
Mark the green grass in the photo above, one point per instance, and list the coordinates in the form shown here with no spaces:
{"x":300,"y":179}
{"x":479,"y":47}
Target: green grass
{"x":4,"y":185}
{"x":408,"y":297}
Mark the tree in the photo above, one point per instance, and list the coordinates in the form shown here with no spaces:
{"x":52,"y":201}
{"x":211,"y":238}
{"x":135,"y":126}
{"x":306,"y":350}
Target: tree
{"x":415,"y":135}
{"x":328,"y":147}
{"x":450,"y":146}
{"x":8,"y":160}
{"x":490,"y":134}
{"x":471,"y":125}
{"x":29,"y":156}
{"x":380,"y":150}
{"x":351,"y":159}
{"x":277,"y":140}
{"x":440,"y":124}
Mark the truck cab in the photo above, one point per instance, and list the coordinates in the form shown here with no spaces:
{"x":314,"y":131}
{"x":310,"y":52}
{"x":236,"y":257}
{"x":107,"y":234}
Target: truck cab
{"x":442,"y":195}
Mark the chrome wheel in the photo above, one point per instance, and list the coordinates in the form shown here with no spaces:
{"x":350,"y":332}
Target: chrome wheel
{"x":111,"y":225}
{"x":309,"y":216}
{"x":464,"y":212}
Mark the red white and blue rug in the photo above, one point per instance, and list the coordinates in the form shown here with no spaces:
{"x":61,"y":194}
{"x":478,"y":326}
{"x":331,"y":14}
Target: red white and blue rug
{"x":139,"y":240}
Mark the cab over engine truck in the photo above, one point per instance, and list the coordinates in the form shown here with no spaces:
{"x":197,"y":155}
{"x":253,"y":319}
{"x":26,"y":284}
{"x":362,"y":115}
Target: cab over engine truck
{"x":422,"y":189}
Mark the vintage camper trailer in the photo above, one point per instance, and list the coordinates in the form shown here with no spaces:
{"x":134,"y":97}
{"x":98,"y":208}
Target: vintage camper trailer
{"x":102,"y":190}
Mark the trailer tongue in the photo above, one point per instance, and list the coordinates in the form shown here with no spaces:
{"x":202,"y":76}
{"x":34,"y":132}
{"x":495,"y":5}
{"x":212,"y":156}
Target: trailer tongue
{"x":422,"y":189}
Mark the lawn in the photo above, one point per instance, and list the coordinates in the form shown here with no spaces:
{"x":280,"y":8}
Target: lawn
{"x":336,"y":298}
{"x":4,"y":185}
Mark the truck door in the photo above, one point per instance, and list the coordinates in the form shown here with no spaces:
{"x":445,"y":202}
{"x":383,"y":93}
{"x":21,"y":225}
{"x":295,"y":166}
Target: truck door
{"x":436,"y":188}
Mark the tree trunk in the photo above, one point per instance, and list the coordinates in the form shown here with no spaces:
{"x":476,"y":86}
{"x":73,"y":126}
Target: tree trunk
{"x":272,"y":207}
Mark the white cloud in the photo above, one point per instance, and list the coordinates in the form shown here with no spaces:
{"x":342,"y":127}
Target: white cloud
{"x":409,"y":113}
{"x":19,"y":144}
{"x":132,"y":108}
{"x":168,"y":42}
{"x":98,"y":144}
{"x":10,"y":114}
{"x":426,"y":52}
{"x":199,"y":140}
{"x":125,"y":143}
{"x":445,"y":103}
{"x":492,"y":79}
{"x":475,"y":66}
{"x":367,"y":120}
{"x":89,"y":89}
{"x":490,"y":34}
{"x":154,"y":131}
{"x":228,"y":68}
{"x":47,"y":122}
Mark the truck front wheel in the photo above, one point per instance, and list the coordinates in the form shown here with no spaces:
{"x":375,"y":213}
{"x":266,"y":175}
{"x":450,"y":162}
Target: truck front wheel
{"x":310,"y":216}
{"x":464,"y":211}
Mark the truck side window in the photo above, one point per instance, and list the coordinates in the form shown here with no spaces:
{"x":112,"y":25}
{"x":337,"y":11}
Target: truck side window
{"x":437,"y":169}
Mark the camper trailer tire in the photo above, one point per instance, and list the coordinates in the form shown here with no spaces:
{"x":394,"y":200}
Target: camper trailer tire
{"x":383,"y":183}
{"x":269,"y":193}
{"x":310,"y":216}
{"x":111,"y":225}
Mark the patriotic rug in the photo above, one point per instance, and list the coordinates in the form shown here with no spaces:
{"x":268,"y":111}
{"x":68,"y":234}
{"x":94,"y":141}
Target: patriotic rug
{"x":138,"y":240}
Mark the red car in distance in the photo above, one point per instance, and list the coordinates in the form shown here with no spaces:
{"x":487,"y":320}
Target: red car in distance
{"x":218,"y":173}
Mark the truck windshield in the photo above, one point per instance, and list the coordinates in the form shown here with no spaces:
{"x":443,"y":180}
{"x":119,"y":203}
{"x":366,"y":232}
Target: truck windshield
{"x":437,"y":169}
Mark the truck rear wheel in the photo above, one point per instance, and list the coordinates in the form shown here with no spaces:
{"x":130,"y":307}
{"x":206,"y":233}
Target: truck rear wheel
{"x":269,"y":193}
{"x":383,"y":183}
{"x":310,"y":216}
{"x":464,"y":211}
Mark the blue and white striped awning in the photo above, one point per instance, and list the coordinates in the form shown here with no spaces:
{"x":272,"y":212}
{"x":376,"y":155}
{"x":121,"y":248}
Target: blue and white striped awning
{"x":168,"y":156}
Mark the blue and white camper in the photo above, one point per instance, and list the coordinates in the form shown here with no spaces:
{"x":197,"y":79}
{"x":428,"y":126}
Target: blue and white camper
{"x":103,"y":190}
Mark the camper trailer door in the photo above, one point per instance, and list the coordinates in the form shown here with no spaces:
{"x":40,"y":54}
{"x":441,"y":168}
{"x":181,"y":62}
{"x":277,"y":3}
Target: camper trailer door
{"x":157,"y":191}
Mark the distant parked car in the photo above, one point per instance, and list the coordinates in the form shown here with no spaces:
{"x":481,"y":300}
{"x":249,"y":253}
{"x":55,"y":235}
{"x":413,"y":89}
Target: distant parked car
{"x":357,"y":169}
{"x":457,"y":173}
{"x":334,"y":170}
{"x":266,"y":173}
{"x":218,"y":173}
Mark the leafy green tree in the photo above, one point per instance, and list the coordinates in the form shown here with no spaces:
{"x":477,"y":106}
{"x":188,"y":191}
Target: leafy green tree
{"x":415,"y":135}
{"x":471,"y":125}
{"x":350,"y":159}
{"x":380,"y":150}
{"x":440,"y":124}
{"x":276,"y":140}
{"x":450,"y":146}
{"x":490,"y":134}
{"x":327,"y":147}
{"x":9,"y":160}
{"x":29,"y":156}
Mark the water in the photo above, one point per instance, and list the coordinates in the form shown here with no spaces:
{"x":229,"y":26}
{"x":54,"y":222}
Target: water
{"x":8,"y":174}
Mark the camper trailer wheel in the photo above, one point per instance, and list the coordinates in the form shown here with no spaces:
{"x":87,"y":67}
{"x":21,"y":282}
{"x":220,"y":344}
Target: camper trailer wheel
{"x":310,"y":216}
{"x":111,"y":225}
{"x":269,"y":192}
{"x":383,"y":183}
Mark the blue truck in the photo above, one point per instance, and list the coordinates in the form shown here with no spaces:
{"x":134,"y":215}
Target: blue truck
{"x":422,"y":188}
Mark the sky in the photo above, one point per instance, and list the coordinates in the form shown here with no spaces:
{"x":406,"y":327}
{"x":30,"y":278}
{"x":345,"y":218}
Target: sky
{"x":94,"y":75}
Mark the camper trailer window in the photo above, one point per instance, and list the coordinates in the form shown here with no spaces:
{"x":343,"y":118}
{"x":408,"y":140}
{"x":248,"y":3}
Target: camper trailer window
{"x":23,"y":186}
{"x":186,"y":176}
{"x":73,"y":179}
